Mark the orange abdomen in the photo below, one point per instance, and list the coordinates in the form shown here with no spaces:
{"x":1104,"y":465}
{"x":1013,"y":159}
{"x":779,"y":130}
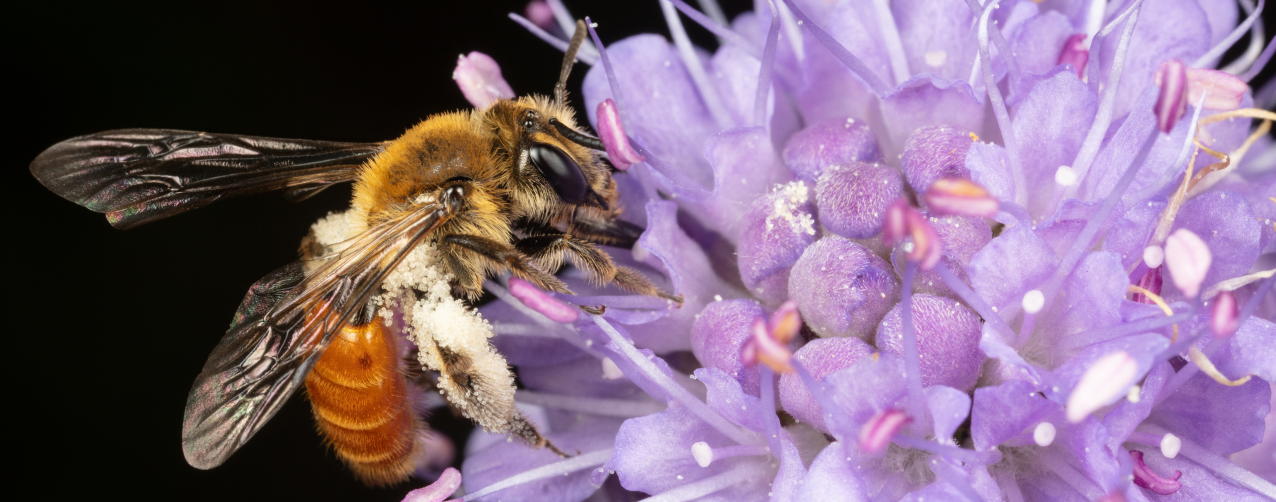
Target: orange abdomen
{"x":360,"y":401}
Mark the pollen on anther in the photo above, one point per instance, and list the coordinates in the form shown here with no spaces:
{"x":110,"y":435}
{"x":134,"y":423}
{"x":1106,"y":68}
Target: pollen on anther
{"x":703,"y":453}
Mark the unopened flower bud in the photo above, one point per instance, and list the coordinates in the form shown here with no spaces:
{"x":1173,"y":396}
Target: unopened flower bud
{"x":821,"y":357}
{"x":1188,"y":259}
{"x":956,"y":196}
{"x":933,"y":153}
{"x":1223,"y":315}
{"x":842,"y":288}
{"x":852,"y":198}
{"x":719,"y":335}
{"x":1075,"y":52}
{"x":612,"y":133}
{"x":839,"y":141}
{"x":776,"y":230}
{"x":947,"y":340}
{"x":1171,"y":103}
{"x":479,"y":78}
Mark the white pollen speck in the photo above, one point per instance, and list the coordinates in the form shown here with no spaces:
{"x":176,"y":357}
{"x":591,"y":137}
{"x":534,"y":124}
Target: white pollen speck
{"x":936,"y":59}
{"x":1133,"y":395}
{"x":717,"y":298}
{"x":1033,"y":301}
{"x":1065,"y":176}
{"x":702,"y":453}
{"x":679,"y":476}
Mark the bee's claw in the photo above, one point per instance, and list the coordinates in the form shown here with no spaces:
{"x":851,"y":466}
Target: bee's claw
{"x":592,"y":310}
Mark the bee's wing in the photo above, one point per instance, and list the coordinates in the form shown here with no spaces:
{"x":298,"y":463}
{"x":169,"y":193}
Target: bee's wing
{"x":136,"y":176}
{"x":281,"y":329}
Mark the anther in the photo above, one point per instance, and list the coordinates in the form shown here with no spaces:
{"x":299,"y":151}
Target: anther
{"x":538,"y":300}
{"x":1065,"y":176}
{"x":612,"y":133}
{"x":877,"y":433}
{"x":1188,"y":259}
{"x":1044,"y":434}
{"x":957,"y":196}
{"x":1075,"y":52}
{"x":1033,"y":301}
{"x":1102,"y":383}
{"x":1171,"y":103}
{"x":480,"y":80}
{"x":1170,"y":445}
{"x":1223,"y":315}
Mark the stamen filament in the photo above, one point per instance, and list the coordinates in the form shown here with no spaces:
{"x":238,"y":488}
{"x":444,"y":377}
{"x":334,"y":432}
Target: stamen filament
{"x":587,"y":57}
{"x":623,"y":408}
{"x":698,"y":489}
{"x":724,"y":33}
{"x":949,"y":451}
{"x":1252,"y":52}
{"x":695,"y":68}
{"x":677,"y":392}
{"x":890,"y":37}
{"x":912,"y":359}
{"x":1215,"y":462}
{"x":1003,"y":47}
{"x":1160,"y":303}
{"x":849,"y":60}
{"x":976,"y":302}
{"x":999,"y":109}
{"x":1226,"y":43}
{"x":1073,"y":478}
{"x":1207,"y":366}
{"x":580,"y":462}
{"x":1099,"y":128}
{"x":764,"y":73}
{"x":770,"y":421}
{"x":1259,"y":64}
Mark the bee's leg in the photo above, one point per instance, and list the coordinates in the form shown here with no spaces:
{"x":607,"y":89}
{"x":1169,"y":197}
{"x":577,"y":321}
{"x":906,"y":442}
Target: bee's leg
{"x":596,"y":264}
{"x":506,"y":256}
{"x":617,"y":232}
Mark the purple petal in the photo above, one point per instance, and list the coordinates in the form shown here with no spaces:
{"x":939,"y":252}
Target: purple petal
{"x":719,"y":334}
{"x":927,"y":100}
{"x":842,"y":288}
{"x":1228,"y":226}
{"x":1129,"y":236}
{"x":1050,"y":124}
{"x":1091,"y":297}
{"x":1166,"y":29}
{"x":988,"y":166}
{"x":503,"y":459}
{"x":746,"y":167}
{"x":949,"y":407}
{"x":1003,"y":412}
{"x":637,"y":376}
{"x":853,"y":197}
{"x":1085,"y":441}
{"x":835,"y":141}
{"x":662,"y":107}
{"x":1198,"y":482}
{"x":936,"y":36}
{"x":1039,"y":41}
{"x":1143,"y":348}
{"x":690,"y":272}
{"x":947,"y":340}
{"x":821,"y":357}
{"x":1127,"y":415}
{"x":581,"y":377}
{"x":1013,"y":263}
{"x":1221,"y":419}
{"x":724,"y":394}
{"x":832,"y":478}
{"x":863,"y":390}
{"x":790,"y":477}
{"x":1121,"y":148}
{"x":935,"y":152}
{"x":1251,"y":351}
{"x":832,"y":91}
{"x":653,"y":455}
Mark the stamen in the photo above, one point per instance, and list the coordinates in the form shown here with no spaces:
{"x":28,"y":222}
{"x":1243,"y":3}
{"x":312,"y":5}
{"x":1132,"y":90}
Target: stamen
{"x":1201,"y":360}
{"x":677,"y":392}
{"x":957,"y":196}
{"x":1236,"y":34}
{"x":1146,"y":478}
{"x":1003,"y":50}
{"x":440,"y":489}
{"x":903,"y":219}
{"x":621,"y":408}
{"x":890,"y":37}
{"x":479,"y":78}
{"x":1188,"y":258}
{"x":612,"y":133}
{"x":1252,"y":51}
{"x":695,"y":69}
{"x":702,"y":453}
{"x":1223,"y":315}
{"x":610,"y":370}
{"x":1103,"y":118}
{"x":1257,"y":66}
{"x":1170,"y":102}
{"x":764,"y":72}
{"x":877,"y":433}
{"x":698,"y":489}
{"x":1153,"y":256}
{"x":999,"y":109}
{"x":912,"y":357}
{"x":562,"y":16}
{"x":1170,"y":445}
{"x":764,"y":347}
{"x":1065,"y":176}
{"x":1237,"y":282}
{"x":1044,"y":434}
{"x":725,"y":34}
{"x":1223,"y":91}
{"x":562,"y":467}
{"x":770,"y":421}
{"x":1235,"y":156}
{"x":1075,"y":52}
{"x":849,"y":60}
{"x":539,"y":301}
{"x":1106,"y":379}
{"x":586,"y":55}
{"x":1221,"y":466}
{"x":1145,"y":296}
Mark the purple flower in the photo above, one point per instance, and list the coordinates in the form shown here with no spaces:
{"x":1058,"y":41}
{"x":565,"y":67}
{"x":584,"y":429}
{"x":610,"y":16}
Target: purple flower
{"x":1024,"y":318}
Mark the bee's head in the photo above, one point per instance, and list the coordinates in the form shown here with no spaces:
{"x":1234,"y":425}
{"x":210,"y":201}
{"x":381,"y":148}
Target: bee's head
{"x":551,"y":160}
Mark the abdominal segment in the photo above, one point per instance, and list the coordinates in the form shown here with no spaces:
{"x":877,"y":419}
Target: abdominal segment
{"x":361,"y":405}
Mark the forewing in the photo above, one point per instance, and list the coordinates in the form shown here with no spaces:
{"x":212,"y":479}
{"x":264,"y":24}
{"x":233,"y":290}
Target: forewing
{"x":281,"y":329}
{"x":136,"y":176}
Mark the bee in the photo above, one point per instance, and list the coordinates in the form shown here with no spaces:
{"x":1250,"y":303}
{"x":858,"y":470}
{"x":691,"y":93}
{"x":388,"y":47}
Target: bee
{"x":514,"y":186}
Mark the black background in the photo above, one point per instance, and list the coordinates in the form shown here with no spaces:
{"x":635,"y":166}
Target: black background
{"x":108,"y":328}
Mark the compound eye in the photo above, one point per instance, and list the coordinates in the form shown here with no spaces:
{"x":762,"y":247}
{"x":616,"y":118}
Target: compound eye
{"x":561,"y":172}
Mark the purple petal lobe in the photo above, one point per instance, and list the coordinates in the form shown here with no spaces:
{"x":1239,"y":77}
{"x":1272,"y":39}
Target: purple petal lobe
{"x":863,"y":390}
{"x":503,"y":459}
{"x":832,"y":478}
{"x":1166,"y":29}
{"x":853,"y":197}
{"x":926,"y":100}
{"x":1049,"y":126}
{"x":746,"y":167}
{"x":947,"y":340}
{"x":1227,"y":225}
{"x":1011,"y":265}
{"x":1220,"y":418}
{"x":936,"y":36}
{"x":842,"y":288}
{"x":1003,"y":412}
{"x":821,"y":357}
{"x":1040,"y":41}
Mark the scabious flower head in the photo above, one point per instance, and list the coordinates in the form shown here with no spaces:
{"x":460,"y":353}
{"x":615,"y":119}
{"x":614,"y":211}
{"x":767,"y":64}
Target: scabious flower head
{"x":928,"y":250}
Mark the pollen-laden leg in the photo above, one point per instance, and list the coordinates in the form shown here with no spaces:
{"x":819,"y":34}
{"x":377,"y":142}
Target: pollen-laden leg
{"x":359,"y":398}
{"x":548,"y":250}
{"x":500,"y":255}
{"x":477,"y":381}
